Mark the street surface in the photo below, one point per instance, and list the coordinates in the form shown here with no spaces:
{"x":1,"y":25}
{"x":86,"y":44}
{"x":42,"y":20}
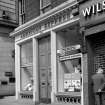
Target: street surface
{"x":10,"y":100}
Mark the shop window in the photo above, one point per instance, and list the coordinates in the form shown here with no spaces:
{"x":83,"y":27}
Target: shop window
{"x":70,"y":74}
{"x":45,"y":5}
{"x":26,"y":67}
{"x":21,"y":12}
{"x":26,"y":54}
{"x":69,"y":60}
{"x":26,"y":79}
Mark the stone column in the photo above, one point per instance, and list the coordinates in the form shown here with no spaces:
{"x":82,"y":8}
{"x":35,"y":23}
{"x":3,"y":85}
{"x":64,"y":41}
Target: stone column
{"x":53,"y":65}
{"x":85,"y":91}
{"x":17,"y":69}
{"x":35,"y":71}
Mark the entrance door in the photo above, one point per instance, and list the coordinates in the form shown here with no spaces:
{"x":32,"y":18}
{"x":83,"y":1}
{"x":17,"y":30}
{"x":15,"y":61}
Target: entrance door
{"x":45,"y":69}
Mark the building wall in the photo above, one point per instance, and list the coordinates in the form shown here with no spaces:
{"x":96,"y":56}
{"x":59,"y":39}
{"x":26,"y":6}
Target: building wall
{"x":8,"y":10}
{"x":6,"y":60}
{"x":6,"y":50}
{"x":32,"y":9}
{"x":7,"y":66}
{"x":55,"y":3}
{"x":8,"y":21}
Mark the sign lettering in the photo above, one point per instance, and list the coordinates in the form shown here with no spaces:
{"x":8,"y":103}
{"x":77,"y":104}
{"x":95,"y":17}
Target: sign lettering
{"x":94,"y":9}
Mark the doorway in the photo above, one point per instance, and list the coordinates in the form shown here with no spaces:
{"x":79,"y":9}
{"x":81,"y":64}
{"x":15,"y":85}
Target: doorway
{"x":45,"y":69}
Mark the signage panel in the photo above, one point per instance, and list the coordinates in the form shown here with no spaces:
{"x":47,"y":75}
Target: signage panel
{"x":72,"y":81}
{"x":70,"y":57}
{"x":64,"y":51}
{"x":92,"y":12}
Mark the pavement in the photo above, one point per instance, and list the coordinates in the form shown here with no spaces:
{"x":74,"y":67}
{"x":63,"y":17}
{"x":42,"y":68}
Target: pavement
{"x":10,"y":100}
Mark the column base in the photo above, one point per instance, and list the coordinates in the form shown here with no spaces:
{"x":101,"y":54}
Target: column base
{"x":53,"y":98}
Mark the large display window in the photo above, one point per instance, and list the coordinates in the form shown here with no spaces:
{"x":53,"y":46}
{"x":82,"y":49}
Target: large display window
{"x":69,"y":60}
{"x":72,"y":75}
{"x":26,"y":59}
{"x":69,"y":68}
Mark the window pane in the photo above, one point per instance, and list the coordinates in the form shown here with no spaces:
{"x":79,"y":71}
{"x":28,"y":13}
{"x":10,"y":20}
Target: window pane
{"x":45,"y":2}
{"x":26,"y":66}
{"x":26,"y":53}
{"x":26,"y":79}
{"x":69,"y":75}
{"x":21,"y":11}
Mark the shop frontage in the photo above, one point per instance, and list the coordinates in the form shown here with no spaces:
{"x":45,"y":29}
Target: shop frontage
{"x":92,"y":18}
{"x":49,"y":59}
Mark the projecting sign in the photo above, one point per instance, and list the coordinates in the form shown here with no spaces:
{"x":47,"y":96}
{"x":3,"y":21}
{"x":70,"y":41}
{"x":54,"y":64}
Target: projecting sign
{"x":94,"y":9}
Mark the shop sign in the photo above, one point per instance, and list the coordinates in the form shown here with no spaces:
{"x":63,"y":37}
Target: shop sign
{"x":63,"y":51}
{"x":92,"y":12}
{"x":94,"y":9}
{"x":70,"y":48}
{"x":55,"y":19}
{"x":49,"y":23}
{"x":63,"y":58}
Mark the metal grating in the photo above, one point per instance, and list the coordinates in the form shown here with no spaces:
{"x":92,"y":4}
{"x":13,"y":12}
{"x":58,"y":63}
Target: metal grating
{"x":99,"y":48}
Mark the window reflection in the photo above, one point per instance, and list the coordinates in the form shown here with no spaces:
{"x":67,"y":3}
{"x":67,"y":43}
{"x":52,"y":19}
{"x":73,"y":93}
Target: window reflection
{"x":26,"y":66}
{"x":70,"y":71}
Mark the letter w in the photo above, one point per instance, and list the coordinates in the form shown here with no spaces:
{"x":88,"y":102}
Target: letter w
{"x":86,"y":12}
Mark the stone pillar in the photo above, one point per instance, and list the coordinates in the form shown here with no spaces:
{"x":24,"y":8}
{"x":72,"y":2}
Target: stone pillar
{"x":84,"y":80}
{"x":17,"y":69}
{"x":85,"y":91}
{"x":60,"y":66}
{"x":53,"y":65}
{"x":35,"y":71}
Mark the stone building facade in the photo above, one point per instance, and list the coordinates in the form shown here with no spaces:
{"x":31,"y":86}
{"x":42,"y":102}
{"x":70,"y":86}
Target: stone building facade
{"x":58,"y":50}
{"x":8,"y":22}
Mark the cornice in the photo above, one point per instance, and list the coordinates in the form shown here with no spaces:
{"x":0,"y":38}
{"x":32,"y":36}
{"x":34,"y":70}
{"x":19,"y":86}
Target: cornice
{"x":56,"y":16}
